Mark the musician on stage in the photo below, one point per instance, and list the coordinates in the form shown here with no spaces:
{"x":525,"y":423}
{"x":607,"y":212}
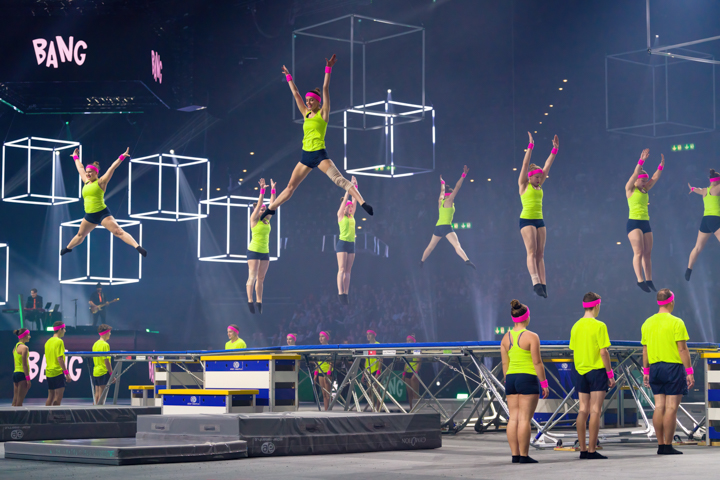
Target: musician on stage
{"x":34,"y":308}
{"x":97,"y":299}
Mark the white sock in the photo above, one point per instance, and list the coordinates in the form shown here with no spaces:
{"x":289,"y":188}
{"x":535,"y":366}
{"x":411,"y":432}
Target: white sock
{"x":535,"y":279}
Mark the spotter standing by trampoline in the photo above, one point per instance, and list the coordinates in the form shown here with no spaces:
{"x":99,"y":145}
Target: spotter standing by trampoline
{"x":102,"y":368}
{"x":56,"y":369}
{"x":710,"y":224}
{"x":316,"y":114}
{"x":21,"y":374}
{"x":234,"y":341}
{"x":258,"y":252}
{"x":96,"y":212}
{"x":345,"y":247}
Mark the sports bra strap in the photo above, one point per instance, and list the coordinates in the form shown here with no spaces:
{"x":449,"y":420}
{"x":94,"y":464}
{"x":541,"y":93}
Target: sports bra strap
{"x":510,"y":338}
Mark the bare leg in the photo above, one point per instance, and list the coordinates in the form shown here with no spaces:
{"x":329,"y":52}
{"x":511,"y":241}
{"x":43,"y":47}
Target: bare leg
{"x":415,"y":384}
{"x":408,"y":391}
{"x":527,"y":405}
{"x":51,"y":397}
{"x":22,"y":391}
{"x":581,"y":421}
{"x":15,"y":394}
{"x":453,"y":239}
{"x":646,"y":257}
{"x":433,"y":243}
{"x":327,"y":164}
{"x":115,"y":229}
{"x":262,"y":271}
{"x":637,"y":243}
{"x":325,"y":386}
{"x":348,"y":271}
{"x":702,"y":240}
{"x":298,"y":175}
{"x":672,"y":402}
{"x":253,"y":268}
{"x":596,"y":404}
{"x":59,"y":392}
{"x":540,"y":253}
{"x":659,"y":419}
{"x":341,"y":259}
{"x":529,"y":236}
{"x":513,"y":402}
{"x":98,"y":394}
{"x":85,"y":229}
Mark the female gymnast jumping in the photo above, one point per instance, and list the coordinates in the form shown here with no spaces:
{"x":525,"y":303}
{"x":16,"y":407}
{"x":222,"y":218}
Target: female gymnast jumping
{"x":638,"y":225}
{"x":710,"y":224}
{"x":258,"y":254}
{"x":532,"y":225}
{"x":316,"y":114}
{"x":21,"y":374}
{"x":96,"y":212}
{"x":524,"y":377}
{"x":443,"y":227}
{"x":345,"y":247}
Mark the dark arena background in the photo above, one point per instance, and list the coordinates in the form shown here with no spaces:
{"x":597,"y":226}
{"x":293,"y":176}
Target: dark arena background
{"x":421,"y":88}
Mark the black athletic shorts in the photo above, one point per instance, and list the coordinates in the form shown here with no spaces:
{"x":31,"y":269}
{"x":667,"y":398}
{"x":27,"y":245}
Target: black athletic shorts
{"x":408,"y":375}
{"x":313,"y":159}
{"x":257,"y":255}
{"x":532,"y":222}
{"x":442,"y":230}
{"x":522,"y":384}
{"x":344,"y":246}
{"x":97,"y":217}
{"x":18,"y":377}
{"x":592,"y":381}
{"x":710,"y":224}
{"x":56,"y":382}
{"x":101,"y":381}
{"x":643,"y":225}
{"x":668,"y":379}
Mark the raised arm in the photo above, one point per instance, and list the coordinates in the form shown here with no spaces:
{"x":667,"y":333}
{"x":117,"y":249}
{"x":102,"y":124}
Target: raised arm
{"x":523,"y":179}
{"x":550,"y":159}
{"x":79,"y":165}
{"x":537,"y":362}
{"x":459,"y":183}
{"x":630,"y":185}
{"x":353,"y":180}
{"x":341,"y":210}
{"x":299,"y":101}
{"x":273,"y":192}
{"x":103,"y":181}
{"x":326,"y":87}
{"x":699,"y":191}
{"x":658,"y":172}
{"x":255,"y":216}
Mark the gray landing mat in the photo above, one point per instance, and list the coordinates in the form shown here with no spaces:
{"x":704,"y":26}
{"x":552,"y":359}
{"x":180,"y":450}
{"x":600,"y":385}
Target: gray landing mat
{"x":58,"y":423}
{"x":125,"y":451}
{"x":301,"y":433}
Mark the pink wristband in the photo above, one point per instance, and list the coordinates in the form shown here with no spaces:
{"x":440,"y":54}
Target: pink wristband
{"x":689,"y":371}
{"x":328,"y":69}
{"x":660,"y":168}
{"x":288,"y":78}
{"x":27,"y":377}
{"x":75,"y":157}
{"x":610,"y":374}
{"x":646,"y":371}
{"x":442,"y":182}
{"x":65,"y":372}
{"x":121,"y":157}
{"x":531,"y":146}
{"x":273,"y":192}
{"x":544,"y":384}
{"x":692,"y":189}
{"x":641,"y":162}
{"x":262,"y":191}
{"x":554,"y":151}
{"x":464,"y":175}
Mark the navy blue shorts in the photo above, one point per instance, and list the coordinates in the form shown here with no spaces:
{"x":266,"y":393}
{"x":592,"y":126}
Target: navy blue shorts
{"x":442,"y":230}
{"x":643,"y":225}
{"x":257,"y":255}
{"x":710,"y":224}
{"x":408,"y":375}
{"x":522,"y":384}
{"x":56,"y":382}
{"x":18,"y":377}
{"x":101,"y":381}
{"x":313,"y":159}
{"x":668,"y":379}
{"x":529,"y":222}
{"x":592,"y":381}
{"x":343,"y":246}
{"x":97,"y":217}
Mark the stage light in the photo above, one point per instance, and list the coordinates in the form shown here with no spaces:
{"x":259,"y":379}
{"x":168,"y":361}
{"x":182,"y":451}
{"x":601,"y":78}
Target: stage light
{"x":488,"y":179}
{"x":241,"y":179}
{"x":252,"y":153}
{"x":462,"y":396}
{"x":540,"y":123}
{"x":359,"y":227}
{"x":471,"y":181}
{"x":546,"y":113}
{"x":515,"y":169}
{"x":550,"y":106}
{"x":255,"y":188}
{"x":172,"y":152}
{"x":438,"y":384}
{"x":389,"y":91}
{"x":244,"y":171}
{"x":565,"y":81}
{"x":364,"y":219}
{"x":535,"y":131}
{"x":560,"y":88}
{"x":219,"y":189}
{"x":618,"y":243}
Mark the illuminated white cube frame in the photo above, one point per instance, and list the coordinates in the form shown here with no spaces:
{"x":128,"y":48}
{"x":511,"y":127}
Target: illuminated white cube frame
{"x":90,"y":279}
{"x":3,"y":300}
{"x":177,"y":163}
{"x":229,"y":202}
{"x":43,"y":145}
{"x":389,"y":169}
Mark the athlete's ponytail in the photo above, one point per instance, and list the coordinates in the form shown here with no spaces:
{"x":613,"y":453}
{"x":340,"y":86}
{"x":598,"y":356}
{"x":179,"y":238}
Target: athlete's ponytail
{"x":713,"y":173}
{"x":317,"y":90}
{"x":517,"y":309}
{"x":19,"y":331}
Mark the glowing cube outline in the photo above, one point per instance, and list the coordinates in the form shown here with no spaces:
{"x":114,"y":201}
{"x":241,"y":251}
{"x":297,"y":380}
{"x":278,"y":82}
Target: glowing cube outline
{"x":26,"y":197}
{"x":7,"y":272}
{"x":227,"y":201}
{"x":155,"y":215}
{"x":89,"y":279}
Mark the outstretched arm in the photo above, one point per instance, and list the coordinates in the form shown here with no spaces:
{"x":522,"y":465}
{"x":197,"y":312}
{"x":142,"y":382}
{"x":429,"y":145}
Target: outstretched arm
{"x":341,"y":210}
{"x":523,"y":179}
{"x":550,"y":159}
{"x":109,"y":173}
{"x":326,"y":87}
{"x":353,"y":180}
{"x":79,"y":165}
{"x":255,"y":216}
{"x":658,"y":172}
{"x":296,"y":94}
{"x":699,"y":191}
{"x":630,"y":185}
{"x":273,"y":192}
{"x":458,"y":184}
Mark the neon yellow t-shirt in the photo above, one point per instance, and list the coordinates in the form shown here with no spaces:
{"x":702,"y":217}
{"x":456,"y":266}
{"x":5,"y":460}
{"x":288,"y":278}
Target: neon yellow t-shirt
{"x":100,"y":368}
{"x":587,"y":337}
{"x":239,"y":343}
{"x":54,"y":348}
{"x":660,"y":333}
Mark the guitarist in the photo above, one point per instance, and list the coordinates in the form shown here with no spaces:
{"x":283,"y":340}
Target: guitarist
{"x":97,"y":299}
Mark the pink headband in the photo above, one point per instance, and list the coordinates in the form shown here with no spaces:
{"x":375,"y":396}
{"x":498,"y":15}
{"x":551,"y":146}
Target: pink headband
{"x":410,"y":336}
{"x":373,"y":332}
{"x":522,"y":317}
{"x":314,"y":95}
{"x":105,"y":332}
{"x":233,"y":329}
{"x":325,"y":334}
{"x":23,"y":335}
{"x":591,"y":304}
{"x":93,"y":167}
{"x":669,"y":300}
{"x":715,"y":179}
{"x":59,"y":327}
{"x":291,"y":335}
{"x":643,"y":175}
{"x":534,"y":172}
{"x":349,"y":202}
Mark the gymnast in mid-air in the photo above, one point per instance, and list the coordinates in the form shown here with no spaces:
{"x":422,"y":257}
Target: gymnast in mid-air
{"x":710,"y":224}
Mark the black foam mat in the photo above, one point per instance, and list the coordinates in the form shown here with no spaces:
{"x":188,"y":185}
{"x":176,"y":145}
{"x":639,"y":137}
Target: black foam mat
{"x":125,"y":451}
{"x":58,"y":423}
{"x":302,"y":433}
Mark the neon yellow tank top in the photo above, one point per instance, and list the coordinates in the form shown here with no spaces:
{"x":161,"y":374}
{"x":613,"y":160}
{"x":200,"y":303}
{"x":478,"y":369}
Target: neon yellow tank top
{"x":532,"y":203}
{"x":347,"y":229}
{"x":446,"y":215}
{"x":414,"y":364}
{"x":94,"y":197}
{"x":373,"y":364}
{"x":314,"y":133}
{"x":260,"y":242}
{"x":18,"y":359}
{"x":323,"y":367}
{"x":520,"y":360}
{"x":712,"y":204}
{"x":638,"y":203}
